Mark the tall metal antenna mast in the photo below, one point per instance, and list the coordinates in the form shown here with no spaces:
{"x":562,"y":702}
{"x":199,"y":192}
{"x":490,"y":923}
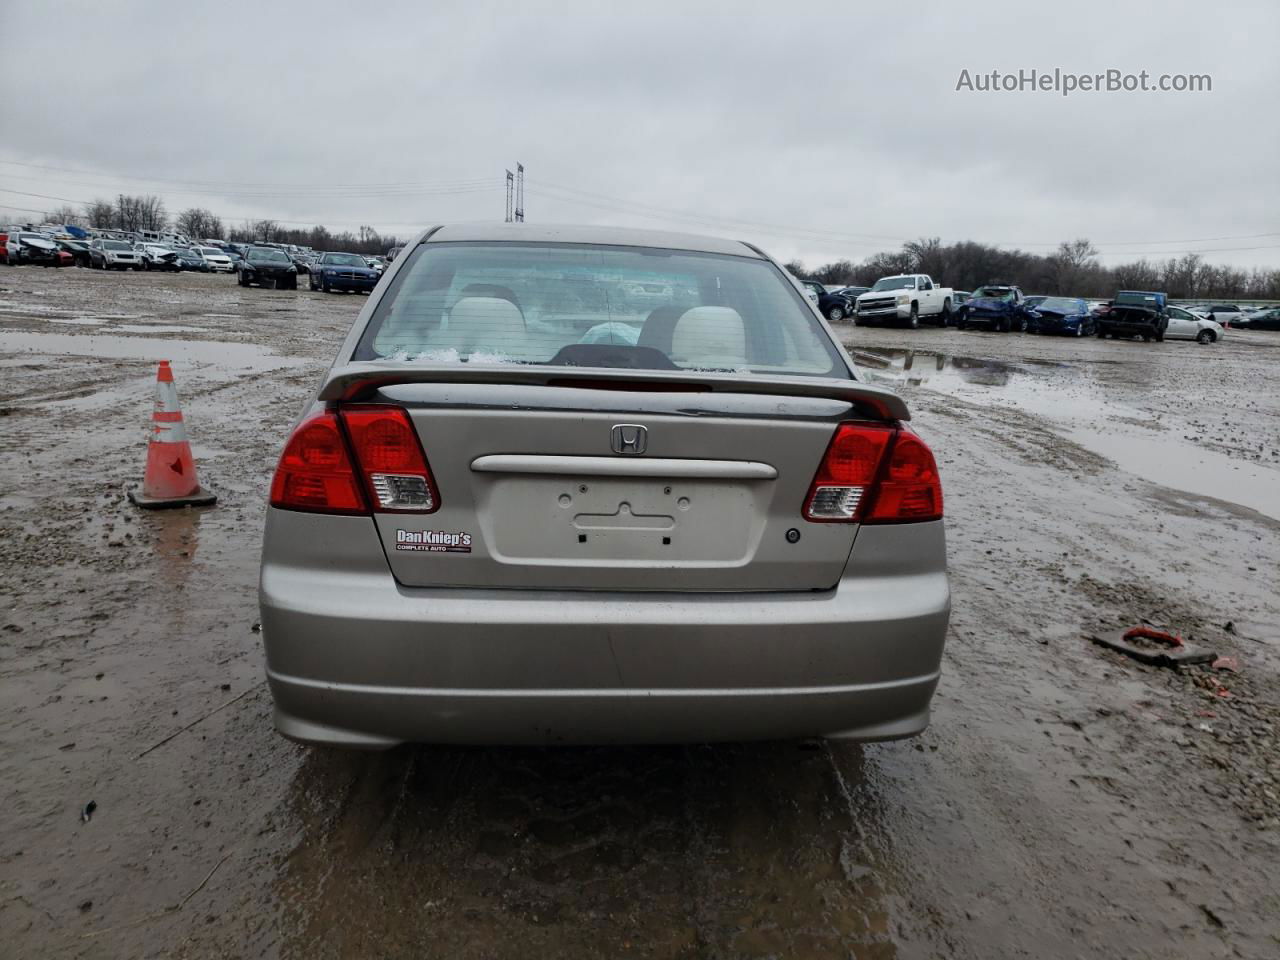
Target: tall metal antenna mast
{"x":519,"y":193}
{"x":510,"y":192}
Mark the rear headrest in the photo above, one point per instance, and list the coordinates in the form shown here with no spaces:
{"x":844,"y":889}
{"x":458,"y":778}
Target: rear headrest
{"x":487,"y":322}
{"x":490,"y":290}
{"x":709,"y":335}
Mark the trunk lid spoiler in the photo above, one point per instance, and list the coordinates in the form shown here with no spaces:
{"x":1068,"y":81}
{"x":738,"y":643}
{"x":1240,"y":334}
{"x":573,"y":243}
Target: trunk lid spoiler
{"x":359,"y":380}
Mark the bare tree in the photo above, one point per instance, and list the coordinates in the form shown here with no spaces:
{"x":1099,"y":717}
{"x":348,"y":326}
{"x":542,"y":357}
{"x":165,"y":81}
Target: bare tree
{"x":140,"y":213}
{"x":64,"y":215}
{"x":100,"y":213}
{"x":264,"y":231}
{"x":1070,"y":263}
{"x":198,"y":222}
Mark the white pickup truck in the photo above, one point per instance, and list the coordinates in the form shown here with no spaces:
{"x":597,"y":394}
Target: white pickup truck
{"x":907,"y":298}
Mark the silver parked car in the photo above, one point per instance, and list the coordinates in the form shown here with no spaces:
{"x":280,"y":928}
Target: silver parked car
{"x":593,"y":485}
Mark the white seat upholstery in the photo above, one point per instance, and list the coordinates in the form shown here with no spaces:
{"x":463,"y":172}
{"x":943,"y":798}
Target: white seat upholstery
{"x":709,"y":336}
{"x":483,"y":323}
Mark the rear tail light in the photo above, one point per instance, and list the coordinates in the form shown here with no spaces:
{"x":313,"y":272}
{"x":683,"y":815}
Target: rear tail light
{"x":343,"y":462}
{"x":316,"y":473}
{"x":875,"y":474}
{"x":391,"y":459}
{"x":847,"y":473}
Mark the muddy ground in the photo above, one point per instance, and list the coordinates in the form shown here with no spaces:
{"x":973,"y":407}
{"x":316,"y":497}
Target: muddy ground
{"x":1066,"y":802}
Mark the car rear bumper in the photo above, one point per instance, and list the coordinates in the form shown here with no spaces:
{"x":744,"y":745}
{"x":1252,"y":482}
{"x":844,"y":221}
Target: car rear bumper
{"x":355,"y":659}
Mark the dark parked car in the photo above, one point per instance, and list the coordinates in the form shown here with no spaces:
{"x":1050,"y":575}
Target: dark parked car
{"x":343,"y":271}
{"x":833,"y":306}
{"x":191,"y":260}
{"x":1134,"y":313}
{"x":995,"y":306}
{"x":268,"y":266}
{"x":1268,"y":319}
{"x":79,"y":251}
{"x":1061,"y":315}
{"x":853,"y":293}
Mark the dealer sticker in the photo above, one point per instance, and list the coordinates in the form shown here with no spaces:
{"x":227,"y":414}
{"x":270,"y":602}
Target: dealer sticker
{"x":434,"y":541}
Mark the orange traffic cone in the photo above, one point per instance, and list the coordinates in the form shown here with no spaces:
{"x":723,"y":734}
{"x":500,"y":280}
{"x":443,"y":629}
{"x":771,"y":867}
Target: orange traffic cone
{"x":170,"y":480}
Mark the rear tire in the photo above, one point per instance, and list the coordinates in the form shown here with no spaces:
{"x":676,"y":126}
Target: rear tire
{"x":1080,"y":330}
{"x":945,"y":317}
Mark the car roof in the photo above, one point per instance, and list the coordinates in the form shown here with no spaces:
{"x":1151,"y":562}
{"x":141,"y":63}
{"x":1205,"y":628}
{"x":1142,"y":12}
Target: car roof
{"x":591,"y":234}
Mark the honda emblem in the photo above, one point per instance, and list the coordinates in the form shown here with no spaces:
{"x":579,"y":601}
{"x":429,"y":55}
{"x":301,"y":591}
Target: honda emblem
{"x":629,"y":438}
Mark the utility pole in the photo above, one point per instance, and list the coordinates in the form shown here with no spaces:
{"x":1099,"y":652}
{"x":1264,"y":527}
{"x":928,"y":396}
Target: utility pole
{"x":510,"y":191}
{"x":519,"y":193}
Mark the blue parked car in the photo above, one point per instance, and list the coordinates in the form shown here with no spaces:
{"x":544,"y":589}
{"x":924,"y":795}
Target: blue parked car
{"x":343,"y":271}
{"x":1069,"y":316}
{"x":995,"y":306}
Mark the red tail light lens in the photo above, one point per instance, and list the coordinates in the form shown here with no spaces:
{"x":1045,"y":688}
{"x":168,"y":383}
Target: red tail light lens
{"x":910,"y":489}
{"x":315,"y":473}
{"x":875,"y":474}
{"x":391,"y":459}
{"x":847,"y":473}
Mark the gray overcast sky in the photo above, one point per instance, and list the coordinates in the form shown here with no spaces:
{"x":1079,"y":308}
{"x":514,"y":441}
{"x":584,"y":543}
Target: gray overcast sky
{"x":818,"y":130}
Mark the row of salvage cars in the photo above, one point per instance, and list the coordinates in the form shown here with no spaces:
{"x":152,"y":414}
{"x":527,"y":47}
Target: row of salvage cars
{"x":1132,"y":314}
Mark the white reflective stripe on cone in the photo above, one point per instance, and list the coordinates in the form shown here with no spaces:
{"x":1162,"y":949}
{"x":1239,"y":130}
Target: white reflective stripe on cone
{"x":166,"y":397}
{"x":168,"y":431}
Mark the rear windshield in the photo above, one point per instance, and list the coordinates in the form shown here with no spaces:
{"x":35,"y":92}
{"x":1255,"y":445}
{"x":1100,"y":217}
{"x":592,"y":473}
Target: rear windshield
{"x":1129,"y":298}
{"x":344,"y":260}
{"x":596,"y":306}
{"x":894,"y":283}
{"x":267,"y":255}
{"x":1062,"y":305}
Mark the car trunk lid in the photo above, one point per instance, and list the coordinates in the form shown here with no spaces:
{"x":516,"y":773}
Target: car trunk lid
{"x":571,"y":486}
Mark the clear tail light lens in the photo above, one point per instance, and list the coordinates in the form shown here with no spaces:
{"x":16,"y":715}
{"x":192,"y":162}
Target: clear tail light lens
{"x":391,"y":459}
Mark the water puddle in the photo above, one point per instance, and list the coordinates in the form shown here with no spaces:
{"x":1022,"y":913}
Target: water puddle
{"x":1043,"y":388}
{"x":80,"y":321}
{"x":1187,"y":467}
{"x":1068,"y":395}
{"x":237,"y":359}
{"x":155,"y":328}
